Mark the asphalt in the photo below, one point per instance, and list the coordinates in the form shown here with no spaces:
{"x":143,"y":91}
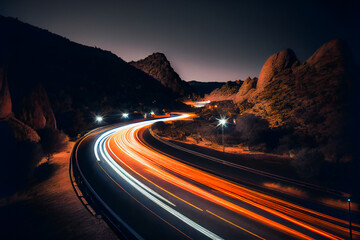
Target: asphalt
{"x":204,"y":218}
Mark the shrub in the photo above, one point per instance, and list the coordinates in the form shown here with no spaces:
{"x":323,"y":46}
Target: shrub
{"x":307,"y":162}
{"x":52,"y":141}
{"x":18,"y":161}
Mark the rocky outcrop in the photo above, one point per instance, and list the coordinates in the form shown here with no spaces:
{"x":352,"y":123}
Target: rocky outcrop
{"x":246,"y":89}
{"x":35,"y":110}
{"x":5,"y":99}
{"x":21,"y":131}
{"x":277,"y":63}
{"x":312,"y":97}
{"x":226,"y":92}
{"x":333,"y":51}
{"x":158,"y":66}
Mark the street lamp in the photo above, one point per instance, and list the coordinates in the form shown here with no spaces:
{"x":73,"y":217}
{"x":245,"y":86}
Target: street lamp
{"x":222,"y":122}
{"x":125,"y":115}
{"x":99,"y":119}
{"x":350,"y":230}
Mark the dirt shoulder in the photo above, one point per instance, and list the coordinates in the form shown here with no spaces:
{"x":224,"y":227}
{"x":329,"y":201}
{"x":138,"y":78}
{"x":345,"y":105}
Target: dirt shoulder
{"x":50,"y":209}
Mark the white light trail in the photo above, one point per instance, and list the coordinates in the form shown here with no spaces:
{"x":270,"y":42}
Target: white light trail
{"x":143,"y":189}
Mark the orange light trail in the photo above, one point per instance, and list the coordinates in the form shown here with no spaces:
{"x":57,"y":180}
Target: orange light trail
{"x":154,"y":164}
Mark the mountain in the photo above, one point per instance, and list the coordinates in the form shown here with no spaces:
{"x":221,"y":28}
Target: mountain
{"x":203,"y":88}
{"x":313,"y":97}
{"x":79,"y":81}
{"x":159,"y":67}
{"x":225,"y":92}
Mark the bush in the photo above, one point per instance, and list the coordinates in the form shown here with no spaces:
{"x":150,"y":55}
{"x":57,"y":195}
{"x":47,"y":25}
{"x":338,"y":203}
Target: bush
{"x":18,"y":161}
{"x":253,"y":131}
{"x":307,"y":162}
{"x":52,"y":141}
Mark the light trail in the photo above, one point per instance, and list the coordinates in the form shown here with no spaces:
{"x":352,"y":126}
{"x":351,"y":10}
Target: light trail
{"x":113,"y":144}
{"x":143,"y":189}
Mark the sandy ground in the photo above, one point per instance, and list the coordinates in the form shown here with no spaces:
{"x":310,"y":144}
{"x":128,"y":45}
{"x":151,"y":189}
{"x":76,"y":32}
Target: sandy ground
{"x":50,"y":209}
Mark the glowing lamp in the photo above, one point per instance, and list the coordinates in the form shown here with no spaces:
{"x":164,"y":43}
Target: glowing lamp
{"x":99,"y":119}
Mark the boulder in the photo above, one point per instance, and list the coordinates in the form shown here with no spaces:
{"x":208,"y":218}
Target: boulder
{"x":21,"y":131}
{"x":333,"y":51}
{"x":246,"y":89}
{"x":275,"y":64}
{"x":35,"y":109}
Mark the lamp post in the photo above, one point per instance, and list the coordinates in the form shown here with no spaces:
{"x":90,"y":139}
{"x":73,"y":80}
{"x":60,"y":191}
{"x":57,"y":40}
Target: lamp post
{"x":222,"y":122}
{"x":350,"y":230}
{"x":99,"y":119}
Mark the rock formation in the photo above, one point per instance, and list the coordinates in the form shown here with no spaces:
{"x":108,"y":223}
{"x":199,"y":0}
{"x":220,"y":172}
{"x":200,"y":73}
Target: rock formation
{"x":277,"y":63}
{"x":246,"y":89}
{"x":333,"y":51}
{"x":226,"y":92}
{"x":21,"y":131}
{"x":35,"y":110}
{"x":5,"y":99}
{"x":312,"y":97}
{"x":158,"y":66}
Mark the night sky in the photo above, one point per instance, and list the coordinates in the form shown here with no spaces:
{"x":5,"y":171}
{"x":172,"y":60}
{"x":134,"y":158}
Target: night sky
{"x":204,"y":40}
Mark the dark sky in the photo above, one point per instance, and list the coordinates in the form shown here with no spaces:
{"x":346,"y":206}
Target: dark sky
{"x":204,"y":40}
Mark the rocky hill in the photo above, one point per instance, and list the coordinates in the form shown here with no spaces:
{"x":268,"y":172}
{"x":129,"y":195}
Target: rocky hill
{"x":227,"y":91}
{"x":306,"y":105}
{"x":48,"y":82}
{"x":312,"y":97}
{"x":80,"y":81}
{"x":159,"y":67}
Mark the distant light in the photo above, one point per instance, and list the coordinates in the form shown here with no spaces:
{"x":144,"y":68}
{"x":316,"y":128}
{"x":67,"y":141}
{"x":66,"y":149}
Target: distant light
{"x":152,"y":113}
{"x":201,"y":104}
{"x":222,"y":121}
{"x":125,"y":115}
{"x":99,"y":119}
{"x":348,"y":199}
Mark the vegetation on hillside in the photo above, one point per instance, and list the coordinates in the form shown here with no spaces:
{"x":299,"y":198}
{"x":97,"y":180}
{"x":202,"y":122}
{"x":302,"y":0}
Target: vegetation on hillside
{"x":256,"y":134}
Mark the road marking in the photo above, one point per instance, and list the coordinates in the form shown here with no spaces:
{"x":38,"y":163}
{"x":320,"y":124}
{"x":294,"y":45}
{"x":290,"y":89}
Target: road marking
{"x":153,"y":182}
{"x":173,"y":194}
{"x":138,"y":186}
{"x":140,"y":202}
{"x":236,"y":225}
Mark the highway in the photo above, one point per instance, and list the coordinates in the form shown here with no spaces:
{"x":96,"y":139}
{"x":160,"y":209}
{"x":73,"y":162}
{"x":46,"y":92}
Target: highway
{"x":157,"y":190}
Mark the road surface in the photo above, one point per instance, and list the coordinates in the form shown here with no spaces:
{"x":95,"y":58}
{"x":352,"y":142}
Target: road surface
{"x":160,"y":191}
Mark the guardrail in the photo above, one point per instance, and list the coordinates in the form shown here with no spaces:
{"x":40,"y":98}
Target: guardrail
{"x":93,"y":202}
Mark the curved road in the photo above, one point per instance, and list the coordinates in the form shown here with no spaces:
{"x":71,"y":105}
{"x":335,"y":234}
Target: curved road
{"x":160,"y":191}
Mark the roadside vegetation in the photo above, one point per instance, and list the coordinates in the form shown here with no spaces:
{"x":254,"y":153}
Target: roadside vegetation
{"x":20,"y":158}
{"x":305,"y":152}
